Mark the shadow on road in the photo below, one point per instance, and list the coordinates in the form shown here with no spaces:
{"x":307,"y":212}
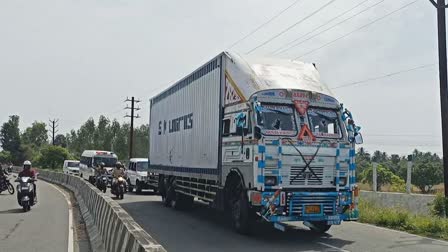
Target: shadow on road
{"x":204,"y":229}
{"x":12,"y":211}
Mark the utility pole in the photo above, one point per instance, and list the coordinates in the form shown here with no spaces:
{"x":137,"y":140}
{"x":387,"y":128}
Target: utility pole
{"x":132,"y":116}
{"x":53,"y":125}
{"x":441,"y":6}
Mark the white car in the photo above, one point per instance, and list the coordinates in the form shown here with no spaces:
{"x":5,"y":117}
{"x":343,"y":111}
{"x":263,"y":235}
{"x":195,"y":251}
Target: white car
{"x":139,"y":177}
{"x":71,"y":167}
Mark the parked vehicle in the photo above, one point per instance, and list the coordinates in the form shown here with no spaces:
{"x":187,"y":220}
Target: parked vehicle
{"x":90,"y":159}
{"x":259,"y":139}
{"x":25,"y":192}
{"x":139,"y":177}
{"x":119,"y":188}
{"x":5,"y":185}
{"x":71,"y":167}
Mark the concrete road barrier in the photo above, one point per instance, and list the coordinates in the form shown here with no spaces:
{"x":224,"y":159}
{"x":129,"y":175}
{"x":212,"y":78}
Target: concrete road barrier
{"x":111,"y":227}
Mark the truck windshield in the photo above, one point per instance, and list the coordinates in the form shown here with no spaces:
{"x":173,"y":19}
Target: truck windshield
{"x":276,"y":120}
{"x":142,"y":166}
{"x":73,"y":164}
{"x":108,"y":161}
{"x":324,"y":123}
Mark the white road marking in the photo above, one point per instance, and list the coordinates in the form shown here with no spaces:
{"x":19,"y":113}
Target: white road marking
{"x":333,"y":247}
{"x":70,"y":219}
{"x":400,"y":232}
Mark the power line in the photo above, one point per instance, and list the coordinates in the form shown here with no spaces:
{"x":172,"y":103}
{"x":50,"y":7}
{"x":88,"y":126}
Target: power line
{"x":132,"y":116}
{"x":263,"y":24}
{"x":54,"y":130}
{"x":384,"y":76}
{"x":292,"y":26}
{"x":278,"y":51}
{"x":360,"y":28}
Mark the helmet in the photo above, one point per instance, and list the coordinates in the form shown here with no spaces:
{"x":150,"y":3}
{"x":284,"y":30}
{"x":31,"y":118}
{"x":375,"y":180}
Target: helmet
{"x":27,"y":165}
{"x":102,"y":164}
{"x":118,"y":164}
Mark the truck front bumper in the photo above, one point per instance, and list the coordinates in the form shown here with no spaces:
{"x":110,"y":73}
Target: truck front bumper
{"x":331,"y":207}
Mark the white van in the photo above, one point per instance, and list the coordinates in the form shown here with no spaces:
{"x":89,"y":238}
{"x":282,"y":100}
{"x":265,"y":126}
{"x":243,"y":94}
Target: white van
{"x":90,"y":159}
{"x":71,"y":167}
{"x":139,"y":177}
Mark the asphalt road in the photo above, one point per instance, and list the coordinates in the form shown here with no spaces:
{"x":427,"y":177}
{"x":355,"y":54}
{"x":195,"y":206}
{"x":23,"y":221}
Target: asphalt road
{"x":203,"y":229}
{"x":44,"y":228}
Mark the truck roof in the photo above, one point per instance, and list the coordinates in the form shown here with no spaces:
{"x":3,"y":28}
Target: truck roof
{"x":91,"y":153}
{"x":254,"y":74}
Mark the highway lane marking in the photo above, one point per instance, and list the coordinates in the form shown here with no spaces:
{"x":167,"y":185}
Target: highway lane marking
{"x":70,"y":219}
{"x":333,"y":247}
{"x":400,"y":232}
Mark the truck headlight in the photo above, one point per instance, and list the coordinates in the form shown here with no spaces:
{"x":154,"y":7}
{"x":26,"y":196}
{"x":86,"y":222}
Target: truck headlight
{"x":342,"y":181}
{"x":270,"y":180}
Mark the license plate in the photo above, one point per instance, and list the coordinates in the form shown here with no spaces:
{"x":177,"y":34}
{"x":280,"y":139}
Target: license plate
{"x":312,"y":209}
{"x":25,"y":188}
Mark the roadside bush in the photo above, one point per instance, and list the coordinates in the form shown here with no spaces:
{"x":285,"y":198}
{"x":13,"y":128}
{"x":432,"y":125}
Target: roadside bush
{"x":400,"y":219}
{"x":52,"y":157}
{"x":439,"y":207}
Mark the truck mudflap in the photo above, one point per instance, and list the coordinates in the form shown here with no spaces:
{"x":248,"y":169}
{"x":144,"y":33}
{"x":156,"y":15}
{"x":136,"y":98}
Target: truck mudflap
{"x":332,"y":207}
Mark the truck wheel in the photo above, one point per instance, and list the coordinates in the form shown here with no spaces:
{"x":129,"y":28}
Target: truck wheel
{"x":240,"y":209}
{"x":138,"y":187}
{"x":170,"y":193}
{"x":320,"y":227}
{"x":130,"y":187}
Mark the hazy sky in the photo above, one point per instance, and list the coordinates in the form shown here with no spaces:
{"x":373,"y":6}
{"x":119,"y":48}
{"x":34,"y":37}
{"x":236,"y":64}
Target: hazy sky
{"x":73,"y":59}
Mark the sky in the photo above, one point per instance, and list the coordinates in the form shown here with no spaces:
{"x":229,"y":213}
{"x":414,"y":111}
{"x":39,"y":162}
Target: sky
{"x":75,"y":59}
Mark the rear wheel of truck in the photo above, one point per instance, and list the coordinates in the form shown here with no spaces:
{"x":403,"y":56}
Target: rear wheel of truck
{"x":320,"y":227}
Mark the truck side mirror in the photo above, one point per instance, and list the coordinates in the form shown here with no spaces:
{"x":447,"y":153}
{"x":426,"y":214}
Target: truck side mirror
{"x":257,"y":132}
{"x":358,"y":138}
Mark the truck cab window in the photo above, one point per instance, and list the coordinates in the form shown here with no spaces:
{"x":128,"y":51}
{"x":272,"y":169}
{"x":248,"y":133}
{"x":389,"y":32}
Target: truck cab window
{"x":226,"y":127}
{"x":324,"y":123}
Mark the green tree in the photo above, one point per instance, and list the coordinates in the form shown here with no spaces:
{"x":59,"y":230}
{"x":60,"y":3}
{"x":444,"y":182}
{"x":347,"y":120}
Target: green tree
{"x":36,"y":135}
{"x":52,"y":156}
{"x":60,"y":140}
{"x":384,"y":177}
{"x":5,"y":157}
{"x":141,"y":141}
{"x":427,"y":170}
{"x":363,"y":162}
{"x":10,"y":138}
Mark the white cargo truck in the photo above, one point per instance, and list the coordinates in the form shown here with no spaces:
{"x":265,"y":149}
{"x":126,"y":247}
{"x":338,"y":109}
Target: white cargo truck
{"x":260,"y":139}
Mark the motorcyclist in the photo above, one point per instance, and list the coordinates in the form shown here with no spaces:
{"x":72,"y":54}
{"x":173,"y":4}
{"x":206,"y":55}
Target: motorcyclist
{"x":28,"y":172}
{"x":3,"y":173}
{"x":100,"y":170}
{"x":117,"y":172}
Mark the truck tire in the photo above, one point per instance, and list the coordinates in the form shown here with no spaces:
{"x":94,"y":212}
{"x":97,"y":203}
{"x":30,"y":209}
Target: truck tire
{"x":130,"y":187}
{"x":320,"y":227}
{"x":240,"y":211}
{"x":138,"y":187}
{"x":170,"y":193}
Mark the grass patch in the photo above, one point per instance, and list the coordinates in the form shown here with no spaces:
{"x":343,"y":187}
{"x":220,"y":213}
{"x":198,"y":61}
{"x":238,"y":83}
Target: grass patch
{"x":400,"y":219}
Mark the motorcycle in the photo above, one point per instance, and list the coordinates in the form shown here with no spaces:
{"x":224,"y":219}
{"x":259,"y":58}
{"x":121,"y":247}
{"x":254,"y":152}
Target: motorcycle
{"x":25,"y":193}
{"x":101,"y":182}
{"x":6,"y":185}
{"x":119,"y":188}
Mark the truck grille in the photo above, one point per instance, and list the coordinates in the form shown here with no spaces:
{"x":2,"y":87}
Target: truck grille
{"x":298,"y":177}
{"x":296,"y":204}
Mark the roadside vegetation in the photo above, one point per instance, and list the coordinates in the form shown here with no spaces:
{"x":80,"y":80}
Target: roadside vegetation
{"x":35,"y":144}
{"x":433,"y":226}
{"x":427,"y":171}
